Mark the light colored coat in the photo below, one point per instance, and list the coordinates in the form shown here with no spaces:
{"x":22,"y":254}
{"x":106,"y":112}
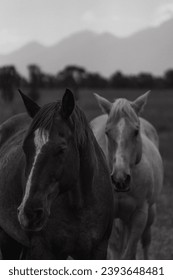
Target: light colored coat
{"x":135,"y":208}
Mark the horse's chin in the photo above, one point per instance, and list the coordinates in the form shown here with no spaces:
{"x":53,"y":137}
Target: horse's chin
{"x":34,"y":226}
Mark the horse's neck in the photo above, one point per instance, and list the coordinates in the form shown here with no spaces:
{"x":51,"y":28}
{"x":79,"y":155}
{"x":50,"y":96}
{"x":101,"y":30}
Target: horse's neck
{"x":144,"y":168}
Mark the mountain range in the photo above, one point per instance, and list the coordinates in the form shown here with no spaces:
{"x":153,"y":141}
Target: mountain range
{"x":150,"y":50}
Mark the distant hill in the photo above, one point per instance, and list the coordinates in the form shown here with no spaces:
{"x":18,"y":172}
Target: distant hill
{"x":149,"y":50}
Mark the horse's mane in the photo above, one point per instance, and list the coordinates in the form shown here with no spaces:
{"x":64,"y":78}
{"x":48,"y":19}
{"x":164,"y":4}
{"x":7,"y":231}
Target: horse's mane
{"x":81,"y":127}
{"x":122,"y":107}
{"x":44,"y":120}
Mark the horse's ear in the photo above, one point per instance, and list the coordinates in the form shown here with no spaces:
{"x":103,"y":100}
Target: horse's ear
{"x":104,"y":104}
{"x":139,"y":104}
{"x":31,"y":107}
{"x":68,"y":104}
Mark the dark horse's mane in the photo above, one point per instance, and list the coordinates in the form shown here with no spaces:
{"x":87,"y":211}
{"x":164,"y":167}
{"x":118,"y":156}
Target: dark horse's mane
{"x":45,"y":117}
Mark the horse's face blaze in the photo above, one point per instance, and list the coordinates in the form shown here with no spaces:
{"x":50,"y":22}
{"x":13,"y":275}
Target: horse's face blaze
{"x":124,"y":147}
{"x":46,"y":154}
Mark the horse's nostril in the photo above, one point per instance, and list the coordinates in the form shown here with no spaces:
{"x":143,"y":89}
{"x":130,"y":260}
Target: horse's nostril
{"x":38,"y":213}
{"x":122,"y":184}
{"x":124,"y":181}
{"x":34,"y":214}
{"x":127,"y":180}
{"x":113,"y":179}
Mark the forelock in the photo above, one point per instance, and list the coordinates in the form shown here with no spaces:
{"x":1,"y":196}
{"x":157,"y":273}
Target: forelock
{"x":44,"y":121}
{"x":41,"y":137}
{"x":44,"y":118}
{"x":122,"y":108}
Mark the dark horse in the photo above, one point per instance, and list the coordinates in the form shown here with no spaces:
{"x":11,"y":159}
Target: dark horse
{"x":55,"y":193}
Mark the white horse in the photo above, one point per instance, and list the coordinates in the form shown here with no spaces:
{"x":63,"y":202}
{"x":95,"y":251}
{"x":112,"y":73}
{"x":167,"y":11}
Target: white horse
{"x":130,"y":144}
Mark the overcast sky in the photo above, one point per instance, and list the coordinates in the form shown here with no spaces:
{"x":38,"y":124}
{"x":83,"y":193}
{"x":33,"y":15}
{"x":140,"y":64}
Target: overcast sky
{"x":48,"y":21}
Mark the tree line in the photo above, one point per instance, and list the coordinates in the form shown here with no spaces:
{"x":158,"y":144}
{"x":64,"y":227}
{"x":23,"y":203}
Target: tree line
{"x":75,"y":77}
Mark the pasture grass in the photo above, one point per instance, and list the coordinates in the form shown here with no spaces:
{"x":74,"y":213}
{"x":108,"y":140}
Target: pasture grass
{"x":159,"y":111}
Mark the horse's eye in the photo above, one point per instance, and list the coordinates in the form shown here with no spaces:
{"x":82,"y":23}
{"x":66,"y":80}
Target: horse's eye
{"x":106,"y":132}
{"x":136,"y":132}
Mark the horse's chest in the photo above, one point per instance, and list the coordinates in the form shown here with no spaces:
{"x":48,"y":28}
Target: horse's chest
{"x":126,"y":207}
{"x":74,"y":237}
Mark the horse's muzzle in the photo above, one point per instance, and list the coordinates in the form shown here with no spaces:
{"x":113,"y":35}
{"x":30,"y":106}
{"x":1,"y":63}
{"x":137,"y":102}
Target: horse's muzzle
{"x":32,"y":219}
{"x":121,"y":185}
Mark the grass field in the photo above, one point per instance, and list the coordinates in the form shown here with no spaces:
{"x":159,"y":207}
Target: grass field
{"x":159,"y":111}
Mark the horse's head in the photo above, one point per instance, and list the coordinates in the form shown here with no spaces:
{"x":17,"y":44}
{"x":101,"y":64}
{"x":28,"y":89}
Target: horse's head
{"x":124,"y":145}
{"x":51,"y":159}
